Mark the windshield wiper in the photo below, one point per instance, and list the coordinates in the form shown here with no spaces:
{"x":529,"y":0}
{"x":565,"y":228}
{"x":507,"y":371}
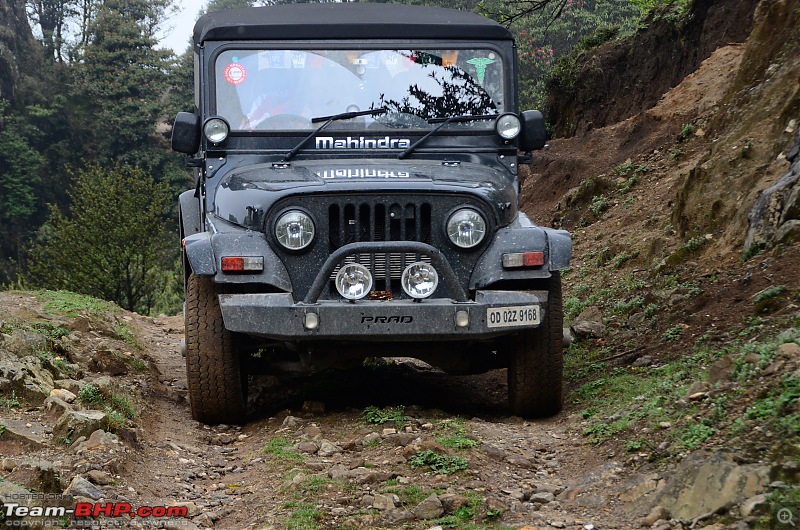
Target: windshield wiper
{"x":444,"y":121}
{"x":328,"y":120}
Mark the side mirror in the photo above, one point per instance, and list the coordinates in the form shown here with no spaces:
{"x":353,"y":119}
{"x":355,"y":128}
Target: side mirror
{"x":533,"y":135}
{"x":186,"y":133}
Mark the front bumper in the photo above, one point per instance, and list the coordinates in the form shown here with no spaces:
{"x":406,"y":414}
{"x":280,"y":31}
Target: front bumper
{"x":277,"y":316}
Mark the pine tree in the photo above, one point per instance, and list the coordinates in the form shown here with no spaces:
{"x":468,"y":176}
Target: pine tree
{"x":113,"y":243}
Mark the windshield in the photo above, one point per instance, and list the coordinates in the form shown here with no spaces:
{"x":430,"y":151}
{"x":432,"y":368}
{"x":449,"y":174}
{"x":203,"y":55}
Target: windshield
{"x":285,"y":89}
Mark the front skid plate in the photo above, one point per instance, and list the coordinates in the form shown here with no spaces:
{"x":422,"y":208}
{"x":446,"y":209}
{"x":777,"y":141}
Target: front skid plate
{"x":276,"y":316}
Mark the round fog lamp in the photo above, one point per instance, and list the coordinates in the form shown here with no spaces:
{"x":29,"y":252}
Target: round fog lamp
{"x":419,"y":280}
{"x":353,"y":281}
{"x":216,"y":130}
{"x":508,"y":126}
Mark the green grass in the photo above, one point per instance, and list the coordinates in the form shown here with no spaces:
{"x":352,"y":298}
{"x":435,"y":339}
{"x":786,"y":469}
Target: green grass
{"x":123,"y":405}
{"x":115,"y":419}
{"x":279,"y":448}
{"x":304,"y":516}
{"x":779,"y":408}
{"x":390,"y":414}
{"x":126,"y":335}
{"x":618,"y":403}
{"x":71,"y":304}
{"x":410,"y":496}
{"x":137,"y":364}
{"x":90,"y":394}
{"x":315,"y":483}
{"x":599,"y":204}
{"x":458,"y":441}
{"x":695,"y":434}
{"x":440,"y":464}
{"x":51,"y":332}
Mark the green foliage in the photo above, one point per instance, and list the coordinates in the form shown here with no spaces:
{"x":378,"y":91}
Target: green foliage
{"x":625,"y":307}
{"x":458,"y":441}
{"x":696,"y":434}
{"x":550,"y":41}
{"x":279,"y":448}
{"x":441,"y":464}
{"x":50,"y":331}
{"x":770,"y":292}
{"x":120,"y":83}
{"x":673,"y":333}
{"x":695,"y":243}
{"x":71,"y":304}
{"x":90,"y":394}
{"x":123,"y":405}
{"x":316,"y":483}
{"x":687,"y":130}
{"x":305,"y":516}
{"x":599,"y":204}
{"x":779,"y":408}
{"x":91,"y":250}
{"x":115,"y":419}
{"x":10,"y":401}
{"x":380,"y":416}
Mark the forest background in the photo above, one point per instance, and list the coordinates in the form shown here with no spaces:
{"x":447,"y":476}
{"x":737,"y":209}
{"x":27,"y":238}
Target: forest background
{"x":88,"y":185}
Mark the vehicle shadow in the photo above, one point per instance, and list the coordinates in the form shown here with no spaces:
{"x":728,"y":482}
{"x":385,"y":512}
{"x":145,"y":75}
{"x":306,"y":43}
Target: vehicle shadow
{"x":393,"y":383}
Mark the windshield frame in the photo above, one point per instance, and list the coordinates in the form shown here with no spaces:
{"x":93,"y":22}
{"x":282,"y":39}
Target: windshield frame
{"x":503,"y":49}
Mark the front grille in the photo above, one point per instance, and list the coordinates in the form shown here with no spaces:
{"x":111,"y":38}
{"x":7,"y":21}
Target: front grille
{"x":375,"y":217}
{"x":352,"y":222}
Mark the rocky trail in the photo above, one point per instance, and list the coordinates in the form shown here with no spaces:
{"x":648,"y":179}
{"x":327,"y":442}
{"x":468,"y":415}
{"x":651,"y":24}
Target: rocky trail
{"x":435,"y":450}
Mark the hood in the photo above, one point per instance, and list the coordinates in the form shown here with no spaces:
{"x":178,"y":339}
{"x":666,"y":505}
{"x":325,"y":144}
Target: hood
{"x":245,"y":194}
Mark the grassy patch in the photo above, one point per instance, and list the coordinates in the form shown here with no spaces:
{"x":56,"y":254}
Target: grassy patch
{"x":126,"y":335}
{"x":315,"y":483}
{"x":279,"y":448}
{"x":71,"y":304}
{"x":304,"y":516}
{"x":50,"y":331}
{"x":410,"y":496}
{"x":462,"y":516}
{"x":380,"y":416}
{"x":458,"y":441}
{"x":779,"y":408}
{"x":90,"y":394}
{"x":455,"y":431}
{"x":114,"y":418}
{"x":123,"y":405}
{"x":137,"y":364}
{"x":441,"y":464}
{"x":623,"y":404}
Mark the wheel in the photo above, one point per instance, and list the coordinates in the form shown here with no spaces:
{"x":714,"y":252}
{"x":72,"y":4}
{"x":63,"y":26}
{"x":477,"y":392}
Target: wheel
{"x":217,"y":384}
{"x":536,"y":362}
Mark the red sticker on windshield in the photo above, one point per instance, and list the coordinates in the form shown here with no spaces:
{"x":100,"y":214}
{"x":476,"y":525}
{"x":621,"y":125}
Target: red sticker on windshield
{"x":235,"y":74}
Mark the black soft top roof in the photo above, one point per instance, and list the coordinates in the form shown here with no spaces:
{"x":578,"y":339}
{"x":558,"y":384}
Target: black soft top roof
{"x":345,"y":21}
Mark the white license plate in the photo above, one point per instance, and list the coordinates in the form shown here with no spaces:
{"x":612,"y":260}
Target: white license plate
{"x":503,"y":317}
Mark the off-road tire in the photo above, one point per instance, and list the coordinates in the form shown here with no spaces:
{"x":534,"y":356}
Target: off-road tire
{"x":217,"y":384}
{"x":536,"y":362}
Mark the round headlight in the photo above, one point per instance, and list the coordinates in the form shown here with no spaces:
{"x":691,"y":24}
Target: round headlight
{"x":216,"y":130}
{"x":353,"y":281}
{"x":419,"y":280}
{"x":508,"y":126}
{"x":466,"y":228}
{"x":294,"y":230}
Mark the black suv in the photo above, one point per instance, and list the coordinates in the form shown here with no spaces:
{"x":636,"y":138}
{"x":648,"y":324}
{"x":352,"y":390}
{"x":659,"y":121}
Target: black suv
{"x":357,"y":195}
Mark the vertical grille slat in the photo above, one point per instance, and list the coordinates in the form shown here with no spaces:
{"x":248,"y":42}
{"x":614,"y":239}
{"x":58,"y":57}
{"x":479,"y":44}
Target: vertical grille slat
{"x":377,"y":221}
